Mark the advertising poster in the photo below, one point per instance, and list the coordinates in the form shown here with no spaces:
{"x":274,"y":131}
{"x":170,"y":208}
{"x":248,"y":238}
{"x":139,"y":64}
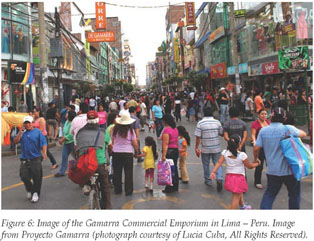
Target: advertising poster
{"x":294,"y":58}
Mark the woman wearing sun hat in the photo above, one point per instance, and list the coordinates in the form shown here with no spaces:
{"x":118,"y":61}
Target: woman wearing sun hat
{"x":124,"y":144}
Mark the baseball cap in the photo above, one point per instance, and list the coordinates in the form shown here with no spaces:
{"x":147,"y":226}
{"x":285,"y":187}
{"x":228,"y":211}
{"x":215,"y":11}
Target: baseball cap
{"x":92,"y":115}
{"x":221,"y":89}
{"x":28,"y":119}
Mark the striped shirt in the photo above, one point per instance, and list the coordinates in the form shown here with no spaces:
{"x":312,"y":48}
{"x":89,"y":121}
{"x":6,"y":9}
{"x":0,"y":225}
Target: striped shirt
{"x":208,"y":129}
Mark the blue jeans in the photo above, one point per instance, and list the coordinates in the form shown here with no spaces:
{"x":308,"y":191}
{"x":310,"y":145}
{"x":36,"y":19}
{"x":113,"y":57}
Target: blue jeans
{"x":224,"y":111}
{"x":66,"y":151}
{"x":159,"y":126}
{"x":274,"y":184}
{"x":206,"y":161}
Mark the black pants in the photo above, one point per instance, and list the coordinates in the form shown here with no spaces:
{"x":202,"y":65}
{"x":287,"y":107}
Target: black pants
{"x":32,"y":170}
{"x":104,"y":187}
{"x":259,"y":169}
{"x":50,"y":156}
{"x":123,"y":161}
{"x":173,"y":154}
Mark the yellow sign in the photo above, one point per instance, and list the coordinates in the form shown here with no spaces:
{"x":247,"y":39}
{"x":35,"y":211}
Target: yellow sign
{"x":190,"y":13}
{"x":87,"y":22}
{"x":176,"y":50}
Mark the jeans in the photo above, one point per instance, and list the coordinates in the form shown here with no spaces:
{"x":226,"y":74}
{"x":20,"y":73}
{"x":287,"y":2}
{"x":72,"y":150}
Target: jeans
{"x":159,"y":126}
{"x":274,"y":184}
{"x":206,"y":160}
{"x":259,"y":169}
{"x":66,"y":151}
{"x":122,"y":161}
{"x":31,"y":173}
{"x":224,"y":111}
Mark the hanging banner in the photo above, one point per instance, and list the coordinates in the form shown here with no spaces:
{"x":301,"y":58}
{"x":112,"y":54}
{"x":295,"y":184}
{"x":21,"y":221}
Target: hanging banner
{"x":21,"y":72}
{"x":176,"y":50}
{"x":100,"y":15}
{"x":270,"y":68}
{"x":65,"y":15}
{"x":218,"y":71}
{"x":219,"y":32}
{"x":190,"y":13}
{"x":294,"y":58}
{"x":107,"y":36}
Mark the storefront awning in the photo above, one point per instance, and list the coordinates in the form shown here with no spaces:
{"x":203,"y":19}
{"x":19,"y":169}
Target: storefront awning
{"x":202,"y":40}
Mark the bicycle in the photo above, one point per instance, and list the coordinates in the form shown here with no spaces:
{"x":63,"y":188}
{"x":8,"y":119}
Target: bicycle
{"x":94,"y":199}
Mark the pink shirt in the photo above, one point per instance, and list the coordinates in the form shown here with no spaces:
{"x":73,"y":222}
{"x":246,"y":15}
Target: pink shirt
{"x":173,"y":136}
{"x":36,"y":124}
{"x":123,"y":144}
{"x":102,"y":117}
{"x":257,"y":126}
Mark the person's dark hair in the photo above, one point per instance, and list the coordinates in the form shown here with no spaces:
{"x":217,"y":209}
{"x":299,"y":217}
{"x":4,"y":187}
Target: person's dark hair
{"x":149,"y":141}
{"x":169,"y":120}
{"x":257,"y":92}
{"x":71,"y":115}
{"x":278,"y":115}
{"x":41,"y":113}
{"x":84,"y":107}
{"x":182,"y":132}
{"x":99,"y":106}
{"x":122,"y":130}
{"x":50,"y":104}
{"x":132,"y":109}
{"x":124,"y":104}
{"x":11,"y":109}
{"x":261,"y":110}
{"x":111,"y":117}
{"x":233,"y":112}
{"x":233,"y":144}
{"x":156,"y":101}
{"x":72,"y":107}
{"x":290,"y":120}
{"x":208,"y":111}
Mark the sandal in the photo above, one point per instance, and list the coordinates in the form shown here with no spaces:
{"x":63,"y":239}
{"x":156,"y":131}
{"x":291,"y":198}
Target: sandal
{"x":54,"y":166}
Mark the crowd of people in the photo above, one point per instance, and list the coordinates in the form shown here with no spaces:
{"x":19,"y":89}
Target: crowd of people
{"x":121,"y":119}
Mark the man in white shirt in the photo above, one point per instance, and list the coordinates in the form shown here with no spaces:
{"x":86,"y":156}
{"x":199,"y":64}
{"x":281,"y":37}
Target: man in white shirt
{"x":113,"y":106}
{"x":143,"y":115}
{"x":125,"y":109}
{"x":121,"y":103}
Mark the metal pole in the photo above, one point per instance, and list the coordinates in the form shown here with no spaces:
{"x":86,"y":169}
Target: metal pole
{"x":307,"y":102}
{"x":234,"y":48}
{"x":43,"y":83}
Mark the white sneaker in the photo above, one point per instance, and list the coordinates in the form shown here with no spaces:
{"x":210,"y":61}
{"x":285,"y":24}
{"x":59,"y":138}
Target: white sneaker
{"x":86,"y":189}
{"x":35,"y":198}
{"x":29,"y":195}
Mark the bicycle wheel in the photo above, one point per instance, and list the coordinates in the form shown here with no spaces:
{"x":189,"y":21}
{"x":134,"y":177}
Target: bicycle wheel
{"x":93,"y":200}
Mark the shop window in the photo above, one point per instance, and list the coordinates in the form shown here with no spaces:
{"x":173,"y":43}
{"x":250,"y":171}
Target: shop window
{"x":303,"y":18}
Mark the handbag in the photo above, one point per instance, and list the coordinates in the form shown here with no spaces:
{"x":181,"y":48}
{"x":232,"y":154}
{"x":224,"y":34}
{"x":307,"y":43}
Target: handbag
{"x":85,"y":166}
{"x":298,"y":156}
{"x":164,"y":173}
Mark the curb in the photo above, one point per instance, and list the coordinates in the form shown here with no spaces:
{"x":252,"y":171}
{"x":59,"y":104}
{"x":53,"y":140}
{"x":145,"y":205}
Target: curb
{"x":12,"y":153}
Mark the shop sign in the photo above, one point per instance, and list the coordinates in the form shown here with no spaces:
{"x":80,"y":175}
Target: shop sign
{"x":176,"y":50}
{"x":190,"y":13}
{"x":255,"y":70}
{"x":231,"y":70}
{"x":294,"y":58}
{"x":219,"y":32}
{"x":218,"y":71}
{"x":107,"y":36}
{"x":239,"y":13}
{"x":270,"y":68}
{"x":243,"y":68}
{"x":100,"y":15}
{"x":21,"y":72}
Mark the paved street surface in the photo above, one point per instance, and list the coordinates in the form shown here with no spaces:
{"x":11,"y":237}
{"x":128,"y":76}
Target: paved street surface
{"x":61,"y":193}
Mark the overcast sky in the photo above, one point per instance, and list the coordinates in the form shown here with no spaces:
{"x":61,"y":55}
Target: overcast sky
{"x":143,"y":27}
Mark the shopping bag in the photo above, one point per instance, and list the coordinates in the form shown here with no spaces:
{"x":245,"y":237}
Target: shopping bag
{"x":60,"y":132}
{"x":298,"y":156}
{"x":172,"y":169}
{"x":164,"y":173}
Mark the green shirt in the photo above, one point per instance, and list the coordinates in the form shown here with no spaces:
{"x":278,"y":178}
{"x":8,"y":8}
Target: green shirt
{"x":67,"y":134}
{"x":100,"y":153}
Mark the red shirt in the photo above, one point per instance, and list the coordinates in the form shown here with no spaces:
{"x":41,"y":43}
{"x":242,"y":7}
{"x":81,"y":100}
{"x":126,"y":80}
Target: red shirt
{"x":257,"y":126}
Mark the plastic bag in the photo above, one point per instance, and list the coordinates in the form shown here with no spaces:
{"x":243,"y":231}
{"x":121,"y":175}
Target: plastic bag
{"x":164,"y":176}
{"x":60,"y":131}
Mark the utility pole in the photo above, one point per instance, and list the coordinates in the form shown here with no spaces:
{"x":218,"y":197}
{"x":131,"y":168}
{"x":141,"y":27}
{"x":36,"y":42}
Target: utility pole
{"x":43,"y":58}
{"x":234,"y":48}
{"x":59,"y":70}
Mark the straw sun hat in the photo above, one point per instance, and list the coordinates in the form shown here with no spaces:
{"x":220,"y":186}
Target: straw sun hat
{"x":125,"y":119}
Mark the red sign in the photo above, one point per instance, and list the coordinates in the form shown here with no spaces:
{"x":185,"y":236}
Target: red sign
{"x":218,"y":71}
{"x":100,"y":15}
{"x":190,"y":13}
{"x":107,"y":36}
{"x":270,"y":68}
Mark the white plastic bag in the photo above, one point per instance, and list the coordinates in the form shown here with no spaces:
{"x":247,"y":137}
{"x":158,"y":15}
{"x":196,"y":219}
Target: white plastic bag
{"x":60,"y":131}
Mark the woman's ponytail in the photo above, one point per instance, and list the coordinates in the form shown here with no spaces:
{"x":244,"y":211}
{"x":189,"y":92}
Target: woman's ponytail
{"x":233,"y":144}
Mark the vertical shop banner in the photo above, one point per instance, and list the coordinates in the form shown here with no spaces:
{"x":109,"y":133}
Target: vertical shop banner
{"x":176,"y":50}
{"x":294,"y":58}
{"x":190,"y":13}
{"x":218,"y":71}
{"x":65,"y":15}
{"x":100,"y":15}
{"x":270,"y":68}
